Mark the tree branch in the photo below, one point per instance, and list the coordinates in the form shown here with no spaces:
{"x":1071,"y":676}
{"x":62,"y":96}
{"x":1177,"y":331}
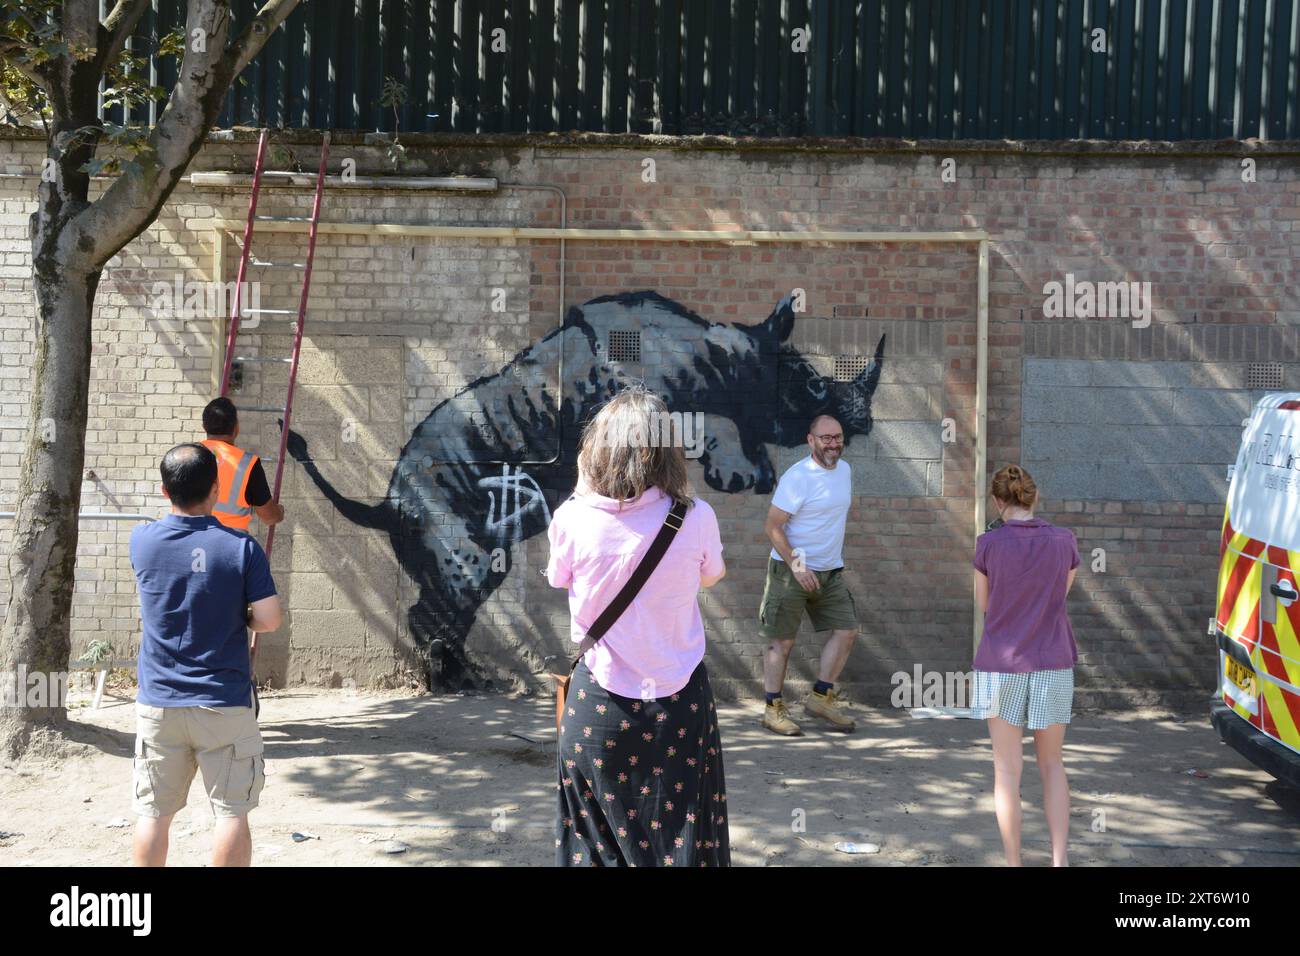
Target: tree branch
{"x":11,"y":45}
{"x":255,"y":35}
{"x":80,"y":22}
{"x":118,"y":26}
{"x":22,"y":15}
{"x":132,"y":201}
{"x":124,"y":12}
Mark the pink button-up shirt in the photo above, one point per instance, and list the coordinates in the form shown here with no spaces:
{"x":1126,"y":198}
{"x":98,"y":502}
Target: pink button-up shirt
{"x":655,"y":646}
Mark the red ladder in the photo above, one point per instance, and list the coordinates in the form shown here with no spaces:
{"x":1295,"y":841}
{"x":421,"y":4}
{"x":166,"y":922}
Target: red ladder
{"x":237,"y":313}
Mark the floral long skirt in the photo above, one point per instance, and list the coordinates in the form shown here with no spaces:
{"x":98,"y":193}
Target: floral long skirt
{"x":640,"y":781}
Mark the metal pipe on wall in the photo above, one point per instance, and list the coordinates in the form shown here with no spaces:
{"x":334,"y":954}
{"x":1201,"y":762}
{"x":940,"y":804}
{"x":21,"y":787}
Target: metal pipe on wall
{"x":96,"y":516}
{"x":981,"y":415}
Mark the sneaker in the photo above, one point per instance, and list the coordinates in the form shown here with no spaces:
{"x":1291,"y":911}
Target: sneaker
{"x":830,"y":707}
{"x":776,"y":718}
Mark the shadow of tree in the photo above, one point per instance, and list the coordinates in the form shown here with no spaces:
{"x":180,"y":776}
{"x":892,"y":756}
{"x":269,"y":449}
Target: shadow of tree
{"x":922,"y":789}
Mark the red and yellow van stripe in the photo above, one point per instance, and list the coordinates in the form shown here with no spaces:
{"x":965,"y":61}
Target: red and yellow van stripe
{"x":1239,"y":584}
{"x":1237,"y":605}
{"x":1274,"y":648}
{"x":1279,"y":657}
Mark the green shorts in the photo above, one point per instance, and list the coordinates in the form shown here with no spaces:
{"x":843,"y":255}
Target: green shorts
{"x":830,"y":607}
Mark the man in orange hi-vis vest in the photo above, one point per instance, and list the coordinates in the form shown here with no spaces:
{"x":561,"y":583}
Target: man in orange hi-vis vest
{"x":241,"y":480}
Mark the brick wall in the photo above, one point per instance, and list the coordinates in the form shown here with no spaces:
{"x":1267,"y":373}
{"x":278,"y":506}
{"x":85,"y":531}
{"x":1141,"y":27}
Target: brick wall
{"x":401,"y":324}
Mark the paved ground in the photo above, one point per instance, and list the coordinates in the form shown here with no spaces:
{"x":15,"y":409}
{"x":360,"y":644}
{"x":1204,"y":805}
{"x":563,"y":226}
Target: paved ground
{"x":454,"y":779}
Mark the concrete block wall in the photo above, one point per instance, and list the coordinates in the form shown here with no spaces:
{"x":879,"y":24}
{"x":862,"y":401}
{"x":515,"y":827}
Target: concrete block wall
{"x":1126,"y":428}
{"x":1132,"y":431}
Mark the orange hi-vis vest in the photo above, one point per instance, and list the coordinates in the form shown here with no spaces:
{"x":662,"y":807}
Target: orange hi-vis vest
{"x":233,"y":467}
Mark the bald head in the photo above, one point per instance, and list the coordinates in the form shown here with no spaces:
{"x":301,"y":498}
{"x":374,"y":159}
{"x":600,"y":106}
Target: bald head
{"x":189,"y":473}
{"x":832,"y":425}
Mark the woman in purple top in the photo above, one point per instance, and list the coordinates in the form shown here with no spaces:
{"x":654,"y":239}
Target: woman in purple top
{"x":640,"y":777}
{"x":1024,"y":668}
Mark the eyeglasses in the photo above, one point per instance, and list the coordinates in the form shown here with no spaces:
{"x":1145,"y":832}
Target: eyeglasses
{"x":830,"y":439}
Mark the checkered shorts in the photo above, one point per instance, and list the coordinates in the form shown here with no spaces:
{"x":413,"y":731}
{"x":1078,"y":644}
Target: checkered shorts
{"x":1035,"y":700}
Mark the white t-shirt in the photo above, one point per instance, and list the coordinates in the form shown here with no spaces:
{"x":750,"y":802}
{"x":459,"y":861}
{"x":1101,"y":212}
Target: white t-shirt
{"x":818,"y":501}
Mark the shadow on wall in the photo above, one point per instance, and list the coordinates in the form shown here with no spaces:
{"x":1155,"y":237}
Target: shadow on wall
{"x":485,"y":469}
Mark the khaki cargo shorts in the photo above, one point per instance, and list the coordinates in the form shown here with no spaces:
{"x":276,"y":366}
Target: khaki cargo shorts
{"x":171,"y":743}
{"x":830,"y":607}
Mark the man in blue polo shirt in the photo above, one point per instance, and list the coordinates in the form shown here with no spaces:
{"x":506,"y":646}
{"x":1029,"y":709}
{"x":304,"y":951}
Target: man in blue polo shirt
{"x":203,"y":587}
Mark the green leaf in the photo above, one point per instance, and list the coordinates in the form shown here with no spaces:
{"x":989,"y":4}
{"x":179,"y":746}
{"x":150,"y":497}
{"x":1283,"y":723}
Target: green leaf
{"x":393,"y":94}
{"x":172,"y":44}
{"x":97,"y":651}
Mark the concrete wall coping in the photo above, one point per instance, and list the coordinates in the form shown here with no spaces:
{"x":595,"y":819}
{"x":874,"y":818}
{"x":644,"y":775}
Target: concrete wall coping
{"x":1131,"y":149}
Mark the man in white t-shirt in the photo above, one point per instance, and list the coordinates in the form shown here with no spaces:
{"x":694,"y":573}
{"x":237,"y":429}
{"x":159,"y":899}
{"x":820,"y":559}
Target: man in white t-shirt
{"x":805,"y":572}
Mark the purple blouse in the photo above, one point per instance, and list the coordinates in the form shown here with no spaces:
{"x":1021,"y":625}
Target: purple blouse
{"x":1026,"y":627}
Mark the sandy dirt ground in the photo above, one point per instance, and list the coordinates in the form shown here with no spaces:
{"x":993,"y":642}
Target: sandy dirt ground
{"x":469,"y":780}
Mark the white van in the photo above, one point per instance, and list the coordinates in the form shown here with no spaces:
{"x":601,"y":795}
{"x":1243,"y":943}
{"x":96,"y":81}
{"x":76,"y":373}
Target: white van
{"x":1257,"y":622}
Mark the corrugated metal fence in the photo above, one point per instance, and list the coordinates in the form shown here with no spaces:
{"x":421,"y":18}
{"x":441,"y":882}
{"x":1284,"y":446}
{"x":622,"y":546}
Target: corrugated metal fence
{"x":926,"y":69}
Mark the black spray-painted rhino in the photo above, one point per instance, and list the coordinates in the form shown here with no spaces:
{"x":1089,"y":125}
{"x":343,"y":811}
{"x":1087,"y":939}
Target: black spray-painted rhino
{"x":485,"y":469}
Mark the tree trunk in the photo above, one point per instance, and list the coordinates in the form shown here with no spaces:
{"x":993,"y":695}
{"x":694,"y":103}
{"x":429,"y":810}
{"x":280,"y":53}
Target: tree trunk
{"x":37,"y":632}
{"x":72,"y":238}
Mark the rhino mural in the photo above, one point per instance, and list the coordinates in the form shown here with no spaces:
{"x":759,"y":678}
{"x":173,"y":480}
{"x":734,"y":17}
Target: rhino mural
{"x":485,"y":469}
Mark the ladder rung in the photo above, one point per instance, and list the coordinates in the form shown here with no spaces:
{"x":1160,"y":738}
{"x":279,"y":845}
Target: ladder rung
{"x":282,"y":218}
{"x":244,"y":312}
{"x":262,"y":408}
{"x":258,"y":358}
{"x":278,"y":265}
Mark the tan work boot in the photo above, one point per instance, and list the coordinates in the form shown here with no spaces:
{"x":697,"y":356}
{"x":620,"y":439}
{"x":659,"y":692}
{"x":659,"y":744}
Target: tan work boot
{"x":830,"y":707}
{"x":776,"y":718}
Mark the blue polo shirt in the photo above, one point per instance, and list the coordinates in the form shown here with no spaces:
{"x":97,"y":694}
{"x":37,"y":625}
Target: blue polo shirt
{"x":196,"y":577}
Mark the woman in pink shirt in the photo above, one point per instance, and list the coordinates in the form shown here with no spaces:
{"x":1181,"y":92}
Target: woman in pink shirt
{"x":1024,"y":667}
{"x":640,"y":757}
